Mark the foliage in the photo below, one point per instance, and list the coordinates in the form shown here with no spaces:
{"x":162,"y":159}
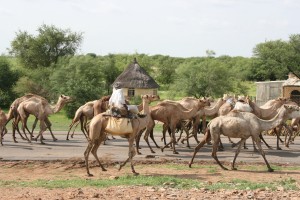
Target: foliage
{"x":205,"y":78}
{"x":80,"y":77}
{"x":45,"y":48}
{"x":272,"y":59}
{"x":8,"y":78}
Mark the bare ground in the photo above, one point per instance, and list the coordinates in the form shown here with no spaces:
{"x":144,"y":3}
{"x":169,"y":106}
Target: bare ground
{"x":75,"y":168}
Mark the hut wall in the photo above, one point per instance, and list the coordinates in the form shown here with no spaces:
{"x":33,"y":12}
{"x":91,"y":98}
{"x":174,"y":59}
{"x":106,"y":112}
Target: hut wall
{"x":266,"y":91}
{"x":140,"y":91}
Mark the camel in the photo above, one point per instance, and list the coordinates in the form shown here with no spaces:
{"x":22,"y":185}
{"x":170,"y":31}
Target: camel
{"x":13,"y":114}
{"x":244,"y":125}
{"x":3,"y":120}
{"x":82,"y":115}
{"x":97,"y":134}
{"x":41,"y":109}
{"x":101,"y":105}
{"x":171,"y":113}
{"x":206,"y":112}
{"x":268,"y":112}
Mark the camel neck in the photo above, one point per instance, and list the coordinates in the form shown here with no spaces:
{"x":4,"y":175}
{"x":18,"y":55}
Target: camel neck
{"x":277,"y":120}
{"x":214,"y":110}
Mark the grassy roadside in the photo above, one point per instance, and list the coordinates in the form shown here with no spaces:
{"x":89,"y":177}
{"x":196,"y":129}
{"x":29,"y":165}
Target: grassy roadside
{"x":168,"y":181}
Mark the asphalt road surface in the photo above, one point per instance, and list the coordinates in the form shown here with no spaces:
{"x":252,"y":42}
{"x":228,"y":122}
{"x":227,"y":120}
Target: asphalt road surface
{"x":117,"y":149}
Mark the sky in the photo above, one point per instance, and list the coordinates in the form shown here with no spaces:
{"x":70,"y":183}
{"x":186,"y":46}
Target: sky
{"x":178,"y":28}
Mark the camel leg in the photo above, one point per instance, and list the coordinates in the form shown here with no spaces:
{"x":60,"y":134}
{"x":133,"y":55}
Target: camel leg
{"x":205,"y":139}
{"x":262,"y":138}
{"x":16,"y":127}
{"x":131,"y":154}
{"x":43,"y":128}
{"x":256,"y":140}
{"x":33,"y":127}
{"x":94,"y":152}
{"x":214,"y":152}
{"x":86,"y":157}
{"x":152,"y":138}
{"x":137,"y":141}
{"x":290,"y":132}
{"x":150,"y":127}
{"x":70,"y":127}
{"x":172,"y":141}
{"x":48,"y":124}
{"x":242,"y":142}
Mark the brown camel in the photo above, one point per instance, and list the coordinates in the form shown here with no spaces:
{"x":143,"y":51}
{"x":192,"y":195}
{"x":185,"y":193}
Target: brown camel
{"x":244,"y":125}
{"x":210,"y":112}
{"x":101,"y":105}
{"x":3,"y":120}
{"x":41,"y":109}
{"x":171,"y":113}
{"x":82,"y":115}
{"x":98,"y":131}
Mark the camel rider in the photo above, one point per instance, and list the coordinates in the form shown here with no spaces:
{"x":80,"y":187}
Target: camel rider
{"x":241,"y":105}
{"x":117,"y":100}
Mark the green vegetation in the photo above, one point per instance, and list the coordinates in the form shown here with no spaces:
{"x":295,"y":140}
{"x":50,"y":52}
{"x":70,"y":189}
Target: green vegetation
{"x":47,"y":64}
{"x":174,"y":182}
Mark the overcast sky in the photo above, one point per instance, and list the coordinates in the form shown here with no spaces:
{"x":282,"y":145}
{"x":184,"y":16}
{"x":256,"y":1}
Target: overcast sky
{"x":179,"y":28}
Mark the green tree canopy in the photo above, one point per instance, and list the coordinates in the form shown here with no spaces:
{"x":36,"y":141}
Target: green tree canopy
{"x":45,"y":48}
{"x":8,"y":78}
{"x":80,"y":77}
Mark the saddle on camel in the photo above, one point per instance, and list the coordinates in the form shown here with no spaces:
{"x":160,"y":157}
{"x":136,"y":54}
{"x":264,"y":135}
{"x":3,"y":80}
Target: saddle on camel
{"x":120,"y":113}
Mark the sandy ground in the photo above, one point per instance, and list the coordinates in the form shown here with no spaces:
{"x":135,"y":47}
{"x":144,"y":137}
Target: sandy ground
{"x":63,"y":160}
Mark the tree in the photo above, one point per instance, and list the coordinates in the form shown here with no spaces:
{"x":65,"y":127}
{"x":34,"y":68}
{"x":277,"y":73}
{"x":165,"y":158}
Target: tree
{"x":204,"y":78}
{"x":45,"y":48}
{"x":8,"y":78}
{"x":81,"y":78}
{"x":272,"y":59}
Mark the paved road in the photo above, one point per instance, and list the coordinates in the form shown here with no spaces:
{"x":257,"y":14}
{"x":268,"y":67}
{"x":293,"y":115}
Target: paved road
{"x":117,"y":150}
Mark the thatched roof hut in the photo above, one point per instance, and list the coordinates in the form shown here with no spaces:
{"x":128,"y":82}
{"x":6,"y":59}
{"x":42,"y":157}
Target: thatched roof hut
{"x":134,"y":81}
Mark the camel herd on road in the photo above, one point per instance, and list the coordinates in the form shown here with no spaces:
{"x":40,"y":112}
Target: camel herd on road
{"x":184,"y":115}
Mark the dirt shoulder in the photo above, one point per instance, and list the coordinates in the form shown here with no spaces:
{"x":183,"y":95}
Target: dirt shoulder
{"x":206,"y":172}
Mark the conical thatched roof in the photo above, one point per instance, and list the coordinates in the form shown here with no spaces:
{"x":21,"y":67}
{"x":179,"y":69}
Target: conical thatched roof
{"x":134,"y":76}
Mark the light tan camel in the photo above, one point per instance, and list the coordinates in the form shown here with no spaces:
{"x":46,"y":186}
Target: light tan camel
{"x":3,"y":120}
{"x":86,"y":112}
{"x":244,"y":125}
{"x":82,"y":115}
{"x":171,"y":113}
{"x":268,"y":112}
{"x":13,"y":114}
{"x":97,"y":134}
{"x":41,"y":110}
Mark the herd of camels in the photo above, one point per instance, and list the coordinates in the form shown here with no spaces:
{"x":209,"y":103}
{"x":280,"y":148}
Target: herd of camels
{"x":184,"y":115}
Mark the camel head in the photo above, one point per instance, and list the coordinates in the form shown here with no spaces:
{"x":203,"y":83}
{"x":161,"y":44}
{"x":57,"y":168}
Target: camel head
{"x":292,"y":110}
{"x":150,"y":97}
{"x":63,"y":99}
{"x":203,"y":102}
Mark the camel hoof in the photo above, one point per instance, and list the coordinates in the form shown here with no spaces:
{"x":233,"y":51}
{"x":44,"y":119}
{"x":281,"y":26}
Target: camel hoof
{"x":139,"y":153}
{"x":104,"y":170}
{"x":152,"y":151}
{"x":175,"y":152}
{"x":190,"y":165}
{"x":234,"y":168}
{"x":136,"y":174}
{"x":90,"y":175}
{"x":43,"y":143}
{"x":54,"y":139}
{"x":278,"y":148}
{"x":67,"y":139}
{"x":270,"y":170}
{"x":162,"y":149}
{"x":245,"y":147}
